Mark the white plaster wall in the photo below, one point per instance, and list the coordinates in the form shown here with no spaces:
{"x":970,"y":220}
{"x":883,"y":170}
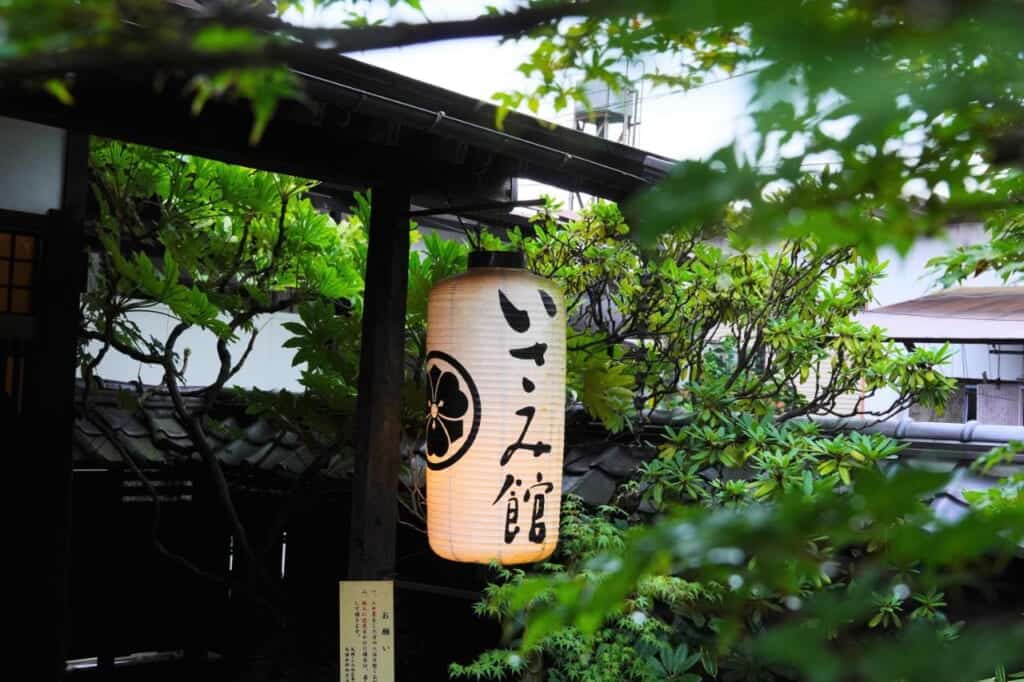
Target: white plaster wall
{"x":269,"y":366}
{"x":31,"y":166}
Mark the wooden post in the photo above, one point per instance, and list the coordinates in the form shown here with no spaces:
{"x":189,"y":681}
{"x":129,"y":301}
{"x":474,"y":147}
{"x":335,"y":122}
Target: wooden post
{"x":379,"y":411}
{"x":43,"y":431}
{"x":65,"y":275}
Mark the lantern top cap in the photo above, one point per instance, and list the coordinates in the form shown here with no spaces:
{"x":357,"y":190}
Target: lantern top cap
{"x":497,"y":259}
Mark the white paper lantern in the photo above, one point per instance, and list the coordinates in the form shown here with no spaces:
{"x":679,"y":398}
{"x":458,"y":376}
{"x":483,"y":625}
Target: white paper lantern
{"x":495,"y":412}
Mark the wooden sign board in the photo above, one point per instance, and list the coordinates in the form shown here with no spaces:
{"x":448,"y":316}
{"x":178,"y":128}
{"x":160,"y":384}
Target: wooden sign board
{"x":367,"y":612}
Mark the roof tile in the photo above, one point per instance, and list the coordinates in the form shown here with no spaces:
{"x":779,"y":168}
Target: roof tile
{"x":595,"y":487}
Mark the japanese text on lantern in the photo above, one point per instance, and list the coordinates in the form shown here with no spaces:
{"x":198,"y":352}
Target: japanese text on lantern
{"x":367,"y":630}
{"x":536,"y":488}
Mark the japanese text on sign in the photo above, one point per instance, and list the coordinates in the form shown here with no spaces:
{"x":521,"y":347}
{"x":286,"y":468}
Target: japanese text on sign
{"x":519,"y":321}
{"x":367,"y":631}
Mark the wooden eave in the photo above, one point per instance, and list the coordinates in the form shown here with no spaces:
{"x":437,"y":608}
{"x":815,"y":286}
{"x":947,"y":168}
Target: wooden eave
{"x":358,"y":126}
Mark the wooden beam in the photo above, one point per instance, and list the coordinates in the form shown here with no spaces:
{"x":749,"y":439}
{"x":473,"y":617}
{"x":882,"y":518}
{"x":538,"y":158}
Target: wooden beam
{"x":295,"y":142}
{"x":462,"y":210}
{"x":381,"y":369}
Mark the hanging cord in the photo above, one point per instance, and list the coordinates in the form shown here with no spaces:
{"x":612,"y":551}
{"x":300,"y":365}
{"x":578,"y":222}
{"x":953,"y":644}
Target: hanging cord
{"x":473,"y":235}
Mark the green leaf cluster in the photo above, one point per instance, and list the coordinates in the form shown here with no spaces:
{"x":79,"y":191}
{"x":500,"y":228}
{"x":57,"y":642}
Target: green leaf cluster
{"x":790,"y":562}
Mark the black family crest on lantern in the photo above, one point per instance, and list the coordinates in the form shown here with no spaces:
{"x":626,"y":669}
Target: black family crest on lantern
{"x":453,"y":410}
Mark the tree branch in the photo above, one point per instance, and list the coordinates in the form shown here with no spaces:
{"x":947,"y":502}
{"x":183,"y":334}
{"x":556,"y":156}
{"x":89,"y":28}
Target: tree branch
{"x":275,"y":254}
{"x":100,"y":421}
{"x":216,"y":473}
{"x":194,"y":429}
{"x":138,"y":51}
{"x":131,"y":352}
{"x":358,"y":39}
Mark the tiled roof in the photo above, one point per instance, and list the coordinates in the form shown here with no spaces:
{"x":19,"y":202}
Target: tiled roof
{"x":154,"y":436}
{"x":595,"y":471}
{"x":594,"y":467}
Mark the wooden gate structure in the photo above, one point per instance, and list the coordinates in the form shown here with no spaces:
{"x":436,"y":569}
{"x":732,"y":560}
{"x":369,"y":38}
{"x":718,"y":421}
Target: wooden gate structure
{"x":360,"y":127}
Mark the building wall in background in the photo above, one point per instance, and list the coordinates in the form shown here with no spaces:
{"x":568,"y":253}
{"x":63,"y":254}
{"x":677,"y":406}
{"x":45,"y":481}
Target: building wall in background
{"x":31,"y":166}
{"x":1000,"y":404}
{"x":989,"y":403}
{"x":907,"y":277}
{"x":954,"y":412}
{"x":847,"y":404}
{"x":268,"y":367}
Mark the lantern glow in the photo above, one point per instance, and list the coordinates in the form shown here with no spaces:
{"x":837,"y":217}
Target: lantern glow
{"x":495,"y":413}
